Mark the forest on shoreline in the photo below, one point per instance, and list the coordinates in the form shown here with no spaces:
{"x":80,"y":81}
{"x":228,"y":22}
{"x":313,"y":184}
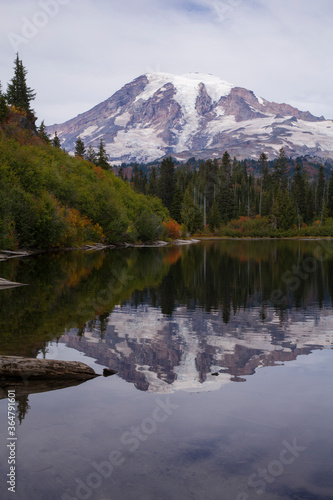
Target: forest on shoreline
{"x":223,"y":197}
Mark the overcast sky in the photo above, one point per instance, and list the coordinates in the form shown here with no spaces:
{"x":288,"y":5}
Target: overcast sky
{"x":79,"y":52}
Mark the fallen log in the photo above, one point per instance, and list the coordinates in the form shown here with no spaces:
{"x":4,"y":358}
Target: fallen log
{"x":8,"y":284}
{"x":19,"y":368}
{"x":7,"y":254}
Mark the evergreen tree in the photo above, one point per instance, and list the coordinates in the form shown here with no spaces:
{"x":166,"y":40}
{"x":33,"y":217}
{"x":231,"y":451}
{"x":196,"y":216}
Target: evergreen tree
{"x":287,"y":212}
{"x":102,"y":157}
{"x":152,"y":183}
{"x":166,"y":182}
{"x":142,"y":182}
{"x":91,"y":154}
{"x":245,"y":176}
{"x":214,"y":217}
{"x":190,"y":212}
{"x":176,"y":206}
{"x":225,"y":195}
{"x":309,"y":203}
{"x":298,"y":188}
{"x":3,"y":106}
{"x":203,"y":182}
{"x":320,"y":190}
{"x":281,"y":170}
{"x":264,"y":171}
{"x":56,"y":141}
{"x":80,"y":149}
{"x":135,"y":178}
{"x":240,"y":178}
{"x":18,"y":92}
{"x":226,"y":164}
{"x":283,"y":211}
{"x":43,"y":134}
{"x":330,"y":196}
{"x":121,"y":172}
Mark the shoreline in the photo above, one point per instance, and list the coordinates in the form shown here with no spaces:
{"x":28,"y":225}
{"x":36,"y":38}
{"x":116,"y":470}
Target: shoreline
{"x":9,"y":254}
{"x":267,"y":238}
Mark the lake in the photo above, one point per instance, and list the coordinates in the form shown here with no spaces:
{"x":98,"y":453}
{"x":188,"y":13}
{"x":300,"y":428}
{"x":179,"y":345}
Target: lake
{"x":225,"y":365}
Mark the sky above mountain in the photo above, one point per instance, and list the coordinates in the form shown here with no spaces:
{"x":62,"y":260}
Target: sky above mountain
{"x":79,"y":52}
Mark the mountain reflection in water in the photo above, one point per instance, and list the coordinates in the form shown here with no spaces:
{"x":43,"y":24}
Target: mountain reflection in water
{"x":177,"y":323}
{"x":192,"y":317}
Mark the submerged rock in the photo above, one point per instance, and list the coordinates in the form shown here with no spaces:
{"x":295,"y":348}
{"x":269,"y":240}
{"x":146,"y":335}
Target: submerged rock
{"x":107,"y":372}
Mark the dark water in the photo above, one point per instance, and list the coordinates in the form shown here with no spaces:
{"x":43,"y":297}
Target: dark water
{"x":225,"y":367}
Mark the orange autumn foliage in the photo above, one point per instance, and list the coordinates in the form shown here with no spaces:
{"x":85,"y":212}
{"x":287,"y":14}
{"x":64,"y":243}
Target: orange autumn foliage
{"x":100,"y":172}
{"x":173,"y":229}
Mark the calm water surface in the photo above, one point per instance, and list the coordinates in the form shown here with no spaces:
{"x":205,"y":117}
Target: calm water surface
{"x":225,"y":365}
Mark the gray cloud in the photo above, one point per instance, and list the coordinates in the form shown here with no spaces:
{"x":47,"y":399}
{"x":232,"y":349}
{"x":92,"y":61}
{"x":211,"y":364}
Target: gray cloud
{"x":85,"y":50}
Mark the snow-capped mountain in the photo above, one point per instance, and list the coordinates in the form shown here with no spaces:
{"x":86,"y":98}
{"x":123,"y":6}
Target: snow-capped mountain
{"x":199,"y":115}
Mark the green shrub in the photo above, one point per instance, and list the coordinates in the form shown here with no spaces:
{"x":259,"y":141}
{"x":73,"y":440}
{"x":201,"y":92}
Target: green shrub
{"x":148,"y":226}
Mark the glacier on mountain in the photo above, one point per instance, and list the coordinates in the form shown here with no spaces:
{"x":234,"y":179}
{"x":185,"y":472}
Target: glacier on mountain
{"x":195,"y":114}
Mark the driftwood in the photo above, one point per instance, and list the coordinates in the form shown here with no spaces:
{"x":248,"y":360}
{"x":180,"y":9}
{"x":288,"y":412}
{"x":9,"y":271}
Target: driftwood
{"x":8,"y":284}
{"x":7,"y":254}
{"x":19,"y":368}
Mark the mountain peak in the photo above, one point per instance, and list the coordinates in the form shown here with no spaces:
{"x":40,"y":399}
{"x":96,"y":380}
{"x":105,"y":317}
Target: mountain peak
{"x":195,"y":114}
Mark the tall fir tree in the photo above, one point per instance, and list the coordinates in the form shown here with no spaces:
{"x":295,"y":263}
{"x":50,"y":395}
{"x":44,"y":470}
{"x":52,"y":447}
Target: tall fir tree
{"x":43,"y":134}
{"x":152,"y":183}
{"x":142,"y":182}
{"x":320,"y":192}
{"x":80,"y":149}
{"x":121,"y":172}
{"x":263,"y":161}
{"x":330,"y":196}
{"x":190,"y":212}
{"x":102,"y":157}
{"x":56,"y":141}
{"x":166,"y":182}
{"x":91,"y":154}
{"x":281,"y":170}
{"x":18,"y":93}
{"x":135,"y":178}
{"x":309,"y":202}
{"x":283,"y":210}
{"x":225,"y":192}
{"x":298,"y":189}
{"x":176,"y":206}
{"x":214,"y":217}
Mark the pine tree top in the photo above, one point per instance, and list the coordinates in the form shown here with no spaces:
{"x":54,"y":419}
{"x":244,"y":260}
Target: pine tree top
{"x":18,"y":93}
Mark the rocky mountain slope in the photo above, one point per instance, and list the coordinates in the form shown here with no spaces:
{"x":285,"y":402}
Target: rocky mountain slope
{"x":198,"y":115}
